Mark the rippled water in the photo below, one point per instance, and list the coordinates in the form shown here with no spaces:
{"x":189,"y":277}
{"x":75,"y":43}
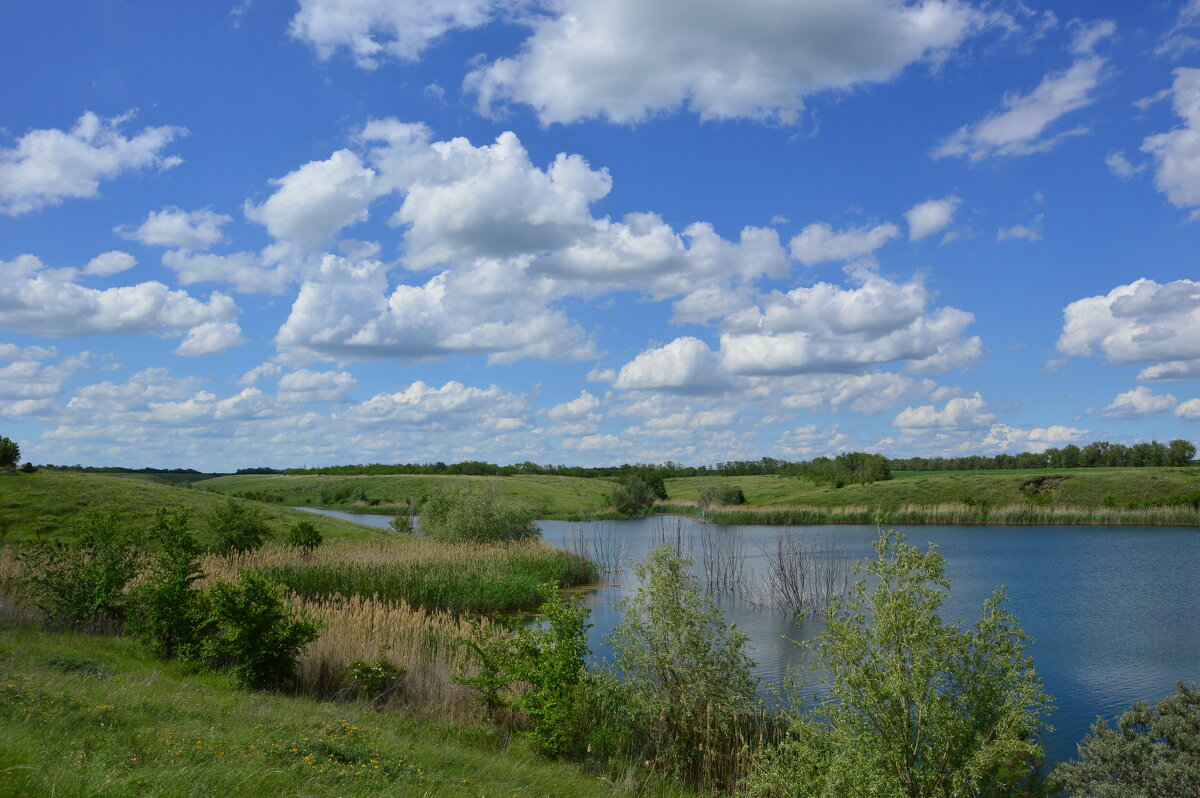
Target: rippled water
{"x":1115,"y":611}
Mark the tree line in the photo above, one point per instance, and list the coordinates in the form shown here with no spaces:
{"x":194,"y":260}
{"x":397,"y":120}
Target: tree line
{"x":1098,"y":454}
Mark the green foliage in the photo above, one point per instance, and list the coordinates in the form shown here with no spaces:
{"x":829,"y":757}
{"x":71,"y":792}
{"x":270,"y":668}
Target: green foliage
{"x":169,"y":608}
{"x":10,"y":452}
{"x":376,"y":682}
{"x":84,"y":583}
{"x":488,"y":672}
{"x":235,"y":527}
{"x":632,"y":495}
{"x":916,"y":706}
{"x":712,"y":492}
{"x":250,"y":630}
{"x":303,"y":535}
{"x":1151,"y":753}
{"x":686,"y":675}
{"x":860,"y":467}
{"x":402,"y":523}
{"x":476,"y":514}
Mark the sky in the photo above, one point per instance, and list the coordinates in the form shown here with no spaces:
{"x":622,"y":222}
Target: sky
{"x":307,"y":232}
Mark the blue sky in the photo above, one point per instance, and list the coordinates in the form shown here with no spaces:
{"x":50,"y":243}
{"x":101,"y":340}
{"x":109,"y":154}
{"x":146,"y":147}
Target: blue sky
{"x":595,"y":231}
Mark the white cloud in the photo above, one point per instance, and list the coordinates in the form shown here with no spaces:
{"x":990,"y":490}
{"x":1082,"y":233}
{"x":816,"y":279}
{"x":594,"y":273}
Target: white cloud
{"x":818,"y":242}
{"x":1120,"y":166}
{"x":627,"y":59}
{"x":109,"y":263}
{"x":1184,"y":36}
{"x":25,"y":377}
{"x":960,"y":413}
{"x":259,"y":372}
{"x":178,"y":229}
{"x":685,"y":365}
{"x":1020,"y":129}
{"x":305,"y":386}
{"x":1189,"y":410}
{"x":49,"y":165}
{"x":810,"y":440}
{"x":451,"y":405}
{"x":210,"y":338}
{"x":601,"y":375}
{"x":1141,"y":402}
{"x":37,"y":301}
{"x":317,"y":200}
{"x":578,"y":408}
{"x":1173,"y":370}
{"x":929,"y":217}
{"x":1027,"y":232}
{"x":1177,"y":152}
{"x":1141,"y":322}
{"x":1004,"y":438}
{"x":864,"y":394}
{"x":247,"y":272}
{"x":372,"y":30}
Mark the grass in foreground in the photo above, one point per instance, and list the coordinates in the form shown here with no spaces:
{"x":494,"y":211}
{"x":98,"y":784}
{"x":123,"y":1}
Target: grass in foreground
{"x":90,"y":716}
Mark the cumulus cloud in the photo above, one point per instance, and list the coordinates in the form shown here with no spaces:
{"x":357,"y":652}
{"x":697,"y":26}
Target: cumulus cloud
{"x":1141,"y":322}
{"x":451,"y":405}
{"x":1177,"y":152}
{"x":578,"y":408}
{"x":1023,"y":125}
{"x":38,"y":301}
{"x":317,"y":200}
{"x":1120,"y":166}
{"x":210,"y":338}
{"x":819,"y":242}
{"x":809,"y":441}
{"x":626,"y":59}
{"x":109,"y":263}
{"x":1141,"y":402}
{"x":1005,"y":438}
{"x":685,"y":365}
{"x":1025,"y":232}
{"x":864,"y":394}
{"x":175,"y":228}
{"x":960,"y":413}
{"x":1172,"y":370}
{"x":247,"y":272}
{"x":305,"y":386}
{"x":47,"y":166}
{"x":1189,"y":410}
{"x":929,"y":217}
{"x":25,"y":377}
{"x":372,"y":30}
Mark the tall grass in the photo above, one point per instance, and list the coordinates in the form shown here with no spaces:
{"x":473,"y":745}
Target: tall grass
{"x":494,"y":577}
{"x":946,"y":513}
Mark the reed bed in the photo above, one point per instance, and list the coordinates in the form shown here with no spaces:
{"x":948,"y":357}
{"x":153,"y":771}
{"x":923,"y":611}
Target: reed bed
{"x":484,"y":578}
{"x":945,"y":513}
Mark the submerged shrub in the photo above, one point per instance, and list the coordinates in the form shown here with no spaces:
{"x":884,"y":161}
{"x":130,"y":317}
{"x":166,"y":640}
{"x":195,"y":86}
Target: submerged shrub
{"x":85,"y":582}
{"x":476,"y":514}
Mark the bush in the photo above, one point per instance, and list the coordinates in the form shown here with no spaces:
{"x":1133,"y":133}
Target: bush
{"x":303,"y":535}
{"x":376,"y":682}
{"x":236,"y":527}
{"x":249,"y":629}
{"x":1152,"y":752}
{"x":85,"y":583}
{"x":169,"y":610}
{"x":720,"y":493}
{"x":686,"y":674}
{"x":10,"y":452}
{"x":476,"y":514}
{"x":632,"y":495}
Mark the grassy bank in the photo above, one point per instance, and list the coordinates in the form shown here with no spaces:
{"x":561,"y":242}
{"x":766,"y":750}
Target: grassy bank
{"x":547,"y":496}
{"x":90,"y":716}
{"x":47,"y":503}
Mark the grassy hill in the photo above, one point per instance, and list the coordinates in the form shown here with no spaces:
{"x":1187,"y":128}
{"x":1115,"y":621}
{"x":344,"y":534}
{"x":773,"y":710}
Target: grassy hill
{"x":47,"y":503}
{"x":548,"y":496}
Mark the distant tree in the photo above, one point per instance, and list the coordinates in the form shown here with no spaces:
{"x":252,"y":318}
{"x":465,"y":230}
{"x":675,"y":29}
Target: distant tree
{"x":632,"y":495}
{"x":1180,"y":452}
{"x":1152,"y":753}
{"x":10,"y":453}
{"x":235,"y":527}
{"x":304,"y":536}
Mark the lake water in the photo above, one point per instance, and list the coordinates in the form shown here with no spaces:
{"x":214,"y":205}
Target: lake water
{"x":1115,"y":611}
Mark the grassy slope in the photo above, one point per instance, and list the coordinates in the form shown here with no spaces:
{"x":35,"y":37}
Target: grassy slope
{"x":549,"y":496}
{"x":96,"y":716}
{"x":1082,"y":488}
{"x":48,"y":502}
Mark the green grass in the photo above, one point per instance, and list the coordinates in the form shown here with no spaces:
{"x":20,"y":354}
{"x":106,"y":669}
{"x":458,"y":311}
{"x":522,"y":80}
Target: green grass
{"x":547,"y":496}
{"x":1092,"y":488}
{"x":48,"y":503}
{"x":95,"y":716}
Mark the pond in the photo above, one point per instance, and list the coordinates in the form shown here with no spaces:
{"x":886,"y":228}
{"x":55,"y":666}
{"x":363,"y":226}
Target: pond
{"x":1115,"y":611}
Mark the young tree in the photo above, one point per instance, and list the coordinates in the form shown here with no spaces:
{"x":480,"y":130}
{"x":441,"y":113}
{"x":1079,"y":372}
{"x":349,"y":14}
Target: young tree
{"x":476,"y":514}
{"x":236,"y":527}
{"x":917,"y":707}
{"x":10,"y":452}
{"x":169,"y":608}
{"x":1151,"y":753}
{"x":632,"y":495}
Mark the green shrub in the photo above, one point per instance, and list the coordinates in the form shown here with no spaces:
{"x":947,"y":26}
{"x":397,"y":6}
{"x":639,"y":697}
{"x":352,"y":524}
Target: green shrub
{"x":632,"y":495}
{"x":689,"y":687}
{"x":476,"y":514}
{"x":303,"y":535}
{"x":169,"y":610}
{"x":235,"y":527}
{"x":376,"y":681}
{"x":84,"y":583}
{"x":720,"y":493}
{"x":249,"y":630}
{"x":1151,"y":752}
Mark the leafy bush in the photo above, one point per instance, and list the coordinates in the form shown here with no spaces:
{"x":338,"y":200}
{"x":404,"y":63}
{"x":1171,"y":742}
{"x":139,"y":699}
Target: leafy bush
{"x":720,"y":493}
{"x":476,"y":514}
{"x":916,"y":706}
{"x":1152,"y":752}
{"x":10,"y":452}
{"x":169,"y":609}
{"x":250,"y":630}
{"x":84,"y":583}
{"x":236,"y":527}
{"x":376,"y":681}
{"x":632,"y":495}
{"x":686,"y":673}
{"x":303,"y":535}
